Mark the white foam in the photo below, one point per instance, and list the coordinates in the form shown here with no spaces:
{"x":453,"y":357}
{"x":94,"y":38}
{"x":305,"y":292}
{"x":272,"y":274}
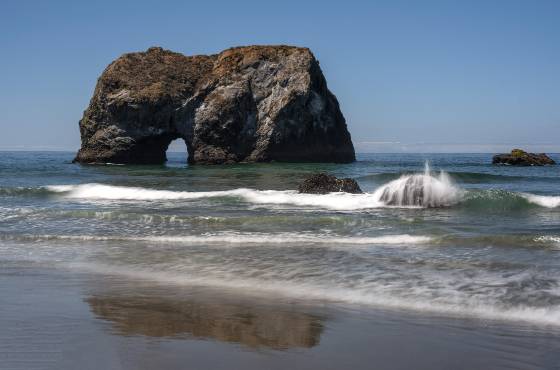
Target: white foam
{"x":379,"y":297}
{"x":423,"y":190}
{"x":234,"y":238}
{"x":548,"y":201}
{"x":415,"y":190}
{"x":110,"y":192}
{"x":399,"y":193}
{"x":548,"y":239}
{"x":335,"y":201}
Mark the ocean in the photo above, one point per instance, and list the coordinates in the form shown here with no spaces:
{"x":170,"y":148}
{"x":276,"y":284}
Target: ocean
{"x":481,"y":251}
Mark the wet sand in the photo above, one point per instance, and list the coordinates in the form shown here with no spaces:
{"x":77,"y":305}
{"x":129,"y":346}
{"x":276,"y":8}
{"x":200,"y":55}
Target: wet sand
{"x":59,"y":319}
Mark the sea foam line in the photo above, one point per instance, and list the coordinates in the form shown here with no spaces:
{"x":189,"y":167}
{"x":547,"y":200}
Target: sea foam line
{"x":280,"y":238}
{"x":334,"y":201}
{"x":468,"y":308}
{"x":548,"y":201}
{"x":403,"y":192}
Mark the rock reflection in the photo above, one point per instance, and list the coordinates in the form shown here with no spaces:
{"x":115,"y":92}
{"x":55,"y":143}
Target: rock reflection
{"x":250,"y":325}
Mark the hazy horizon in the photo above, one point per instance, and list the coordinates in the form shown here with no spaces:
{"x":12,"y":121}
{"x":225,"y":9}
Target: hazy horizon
{"x":400,"y":148}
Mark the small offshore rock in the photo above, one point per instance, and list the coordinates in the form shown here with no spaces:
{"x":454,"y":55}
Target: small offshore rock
{"x":519,"y":157}
{"x":322,"y":183}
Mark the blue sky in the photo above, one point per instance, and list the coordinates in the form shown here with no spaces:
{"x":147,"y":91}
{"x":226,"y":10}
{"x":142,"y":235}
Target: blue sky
{"x":417,"y":76}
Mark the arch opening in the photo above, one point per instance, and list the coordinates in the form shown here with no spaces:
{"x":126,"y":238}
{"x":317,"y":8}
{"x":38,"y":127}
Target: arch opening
{"x":177,"y":152}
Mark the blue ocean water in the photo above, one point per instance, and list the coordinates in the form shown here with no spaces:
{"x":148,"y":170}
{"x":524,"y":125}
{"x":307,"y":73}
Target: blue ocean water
{"x":484,"y":243}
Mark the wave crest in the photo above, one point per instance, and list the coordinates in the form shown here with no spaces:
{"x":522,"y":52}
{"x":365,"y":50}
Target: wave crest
{"x":238,"y":238}
{"x":420,"y":190}
{"x":547,"y":201}
{"x":417,"y":190}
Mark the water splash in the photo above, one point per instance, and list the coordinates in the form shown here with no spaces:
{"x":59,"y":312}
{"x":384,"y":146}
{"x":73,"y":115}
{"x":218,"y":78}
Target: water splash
{"x":414,"y":190}
{"x":417,"y":190}
{"x":547,"y":201}
{"x":420,"y":190}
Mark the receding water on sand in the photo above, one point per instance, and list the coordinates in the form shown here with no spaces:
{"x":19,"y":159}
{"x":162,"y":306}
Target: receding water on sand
{"x":56,"y":318}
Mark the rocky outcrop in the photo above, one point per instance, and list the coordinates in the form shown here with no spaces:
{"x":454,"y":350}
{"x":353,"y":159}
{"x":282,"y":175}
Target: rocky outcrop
{"x":246,"y":104}
{"x":322,"y":183}
{"x":518,"y":157}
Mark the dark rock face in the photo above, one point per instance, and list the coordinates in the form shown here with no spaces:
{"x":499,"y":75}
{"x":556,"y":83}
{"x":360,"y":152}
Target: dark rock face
{"x":322,"y":183}
{"x":518,"y":157}
{"x":246,"y":104}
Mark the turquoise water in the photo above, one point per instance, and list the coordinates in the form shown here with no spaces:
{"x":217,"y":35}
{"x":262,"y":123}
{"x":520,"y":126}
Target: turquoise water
{"x":486,"y":245}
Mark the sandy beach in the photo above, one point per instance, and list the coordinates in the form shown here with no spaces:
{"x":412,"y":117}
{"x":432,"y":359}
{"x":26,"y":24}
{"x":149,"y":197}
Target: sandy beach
{"x":56,"y":318}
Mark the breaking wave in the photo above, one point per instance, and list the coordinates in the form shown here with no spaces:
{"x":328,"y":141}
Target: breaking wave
{"x":543,"y":200}
{"x":237,"y":238}
{"x":465,"y":177}
{"x":410,"y":191}
{"x":419,"y":190}
{"x":335,"y":201}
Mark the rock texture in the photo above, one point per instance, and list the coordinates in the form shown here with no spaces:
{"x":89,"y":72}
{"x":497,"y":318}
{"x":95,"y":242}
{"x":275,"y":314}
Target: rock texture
{"x":246,"y":104}
{"x":518,"y":157}
{"x":322,"y":183}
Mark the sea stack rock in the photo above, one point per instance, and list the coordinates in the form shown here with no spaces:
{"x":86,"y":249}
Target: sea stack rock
{"x":322,"y":183}
{"x":518,"y":157}
{"x":246,"y":104}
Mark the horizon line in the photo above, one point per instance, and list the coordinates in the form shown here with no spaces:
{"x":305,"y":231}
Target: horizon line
{"x":357,"y":152}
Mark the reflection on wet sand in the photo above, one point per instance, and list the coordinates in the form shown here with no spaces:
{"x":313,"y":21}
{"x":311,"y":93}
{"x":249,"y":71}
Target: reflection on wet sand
{"x":253,"y":326}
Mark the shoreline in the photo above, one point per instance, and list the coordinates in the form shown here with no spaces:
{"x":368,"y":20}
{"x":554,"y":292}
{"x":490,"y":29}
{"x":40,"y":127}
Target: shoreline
{"x":155,"y":267}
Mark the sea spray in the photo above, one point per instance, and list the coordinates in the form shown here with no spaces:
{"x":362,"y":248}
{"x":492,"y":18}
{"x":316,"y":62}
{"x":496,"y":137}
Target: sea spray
{"x":420,"y":190}
{"x":416,"y":190}
{"x":543,"y":200}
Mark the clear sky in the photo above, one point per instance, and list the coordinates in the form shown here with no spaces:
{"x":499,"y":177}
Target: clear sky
{"x":410,"y":75}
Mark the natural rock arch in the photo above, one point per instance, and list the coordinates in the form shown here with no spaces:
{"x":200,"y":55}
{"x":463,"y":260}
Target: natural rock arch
{"x":246,"y":104}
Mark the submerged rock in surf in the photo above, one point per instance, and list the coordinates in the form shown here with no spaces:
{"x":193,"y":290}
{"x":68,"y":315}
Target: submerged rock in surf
{"x":245,"y":104}
{"x":322,"y":183}
{"x":519,"y":157}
